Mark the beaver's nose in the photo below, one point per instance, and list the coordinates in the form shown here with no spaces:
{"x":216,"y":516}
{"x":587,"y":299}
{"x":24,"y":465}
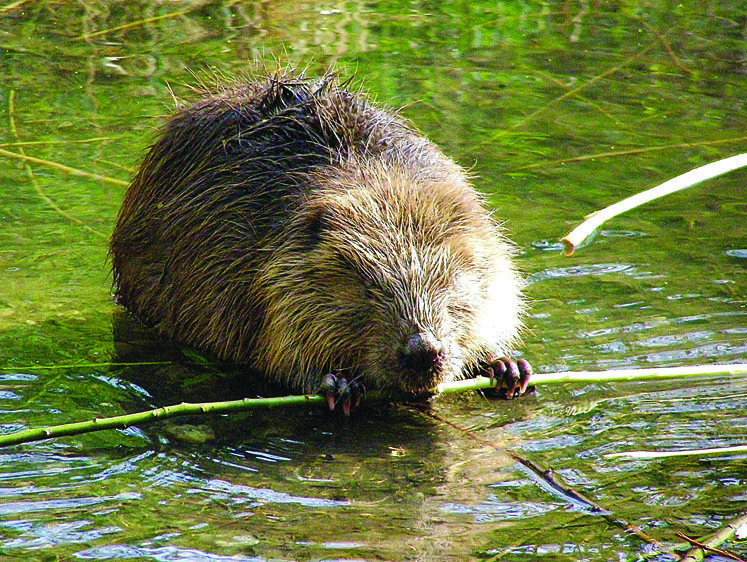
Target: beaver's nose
{"x":421,"y":352}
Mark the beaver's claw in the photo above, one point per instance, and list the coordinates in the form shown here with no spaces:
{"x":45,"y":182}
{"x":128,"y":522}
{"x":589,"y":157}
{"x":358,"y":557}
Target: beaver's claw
{"x":512,"y":376}
{"x":338,"y":389}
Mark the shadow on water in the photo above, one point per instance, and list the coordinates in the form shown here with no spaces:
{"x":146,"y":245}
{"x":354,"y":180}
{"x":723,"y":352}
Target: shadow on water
{"x":165,"y":373}
{"x":375,"y":470}
{"x":173,"y":373}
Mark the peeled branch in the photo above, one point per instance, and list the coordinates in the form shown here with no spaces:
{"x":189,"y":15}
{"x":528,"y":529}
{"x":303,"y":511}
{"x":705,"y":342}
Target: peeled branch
{"x":575,"y":238}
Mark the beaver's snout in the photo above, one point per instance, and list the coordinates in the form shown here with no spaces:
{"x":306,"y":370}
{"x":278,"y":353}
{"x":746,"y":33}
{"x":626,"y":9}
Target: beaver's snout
{"x":422,"y":353}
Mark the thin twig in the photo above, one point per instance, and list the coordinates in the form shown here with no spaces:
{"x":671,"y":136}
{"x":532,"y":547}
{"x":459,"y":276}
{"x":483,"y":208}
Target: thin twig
{"x":578,"y":96}
{"x":568,"y":94}
{"x":667,"y":47}
{"x":617,"y":375}
{"x":707,"y":548}
{"x":632,"y":151}
{"x":549,"y":481}
{"x":48,"y":142}
{"x":143,"y":418}
{"x":100,"y":365}
{"x":133,"y":24}
{"x":724,"y":534}
{"x":13,"y":6}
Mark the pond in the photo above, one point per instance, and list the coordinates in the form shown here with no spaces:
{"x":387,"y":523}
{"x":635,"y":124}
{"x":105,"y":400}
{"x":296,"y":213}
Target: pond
{"x":558,"y":109}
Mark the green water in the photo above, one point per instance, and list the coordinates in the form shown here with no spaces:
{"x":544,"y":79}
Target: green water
{"x":559,"y":108}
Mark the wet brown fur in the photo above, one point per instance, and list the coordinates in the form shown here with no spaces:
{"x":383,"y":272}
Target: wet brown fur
{"x":292,"y":226}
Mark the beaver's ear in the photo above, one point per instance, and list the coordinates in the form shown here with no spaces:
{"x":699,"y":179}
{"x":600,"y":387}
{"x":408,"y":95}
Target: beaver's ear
{"x":316,"y":223}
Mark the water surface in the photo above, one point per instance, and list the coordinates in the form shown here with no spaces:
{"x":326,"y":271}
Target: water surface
{"x":558,"y":109}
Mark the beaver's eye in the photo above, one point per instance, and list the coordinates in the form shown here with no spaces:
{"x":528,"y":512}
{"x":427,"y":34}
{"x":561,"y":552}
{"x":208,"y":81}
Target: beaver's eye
{"x":366,"y":278}
{"x":357,"y":271}
{"x":369,"y":283}
{"x":377,"y":288}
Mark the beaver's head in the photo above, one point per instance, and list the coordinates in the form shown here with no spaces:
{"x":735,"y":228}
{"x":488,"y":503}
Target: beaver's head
{"x":402,"y":281}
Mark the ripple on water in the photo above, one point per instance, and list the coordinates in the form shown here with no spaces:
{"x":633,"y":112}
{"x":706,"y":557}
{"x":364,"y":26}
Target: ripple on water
{"x":241,"y":494}
{"x":36,"y":535}
{"x":161,"y":553}
{"x":15,"y":508}
{"x":37,"y":464}
{"x":494,"y":509}
{"x":581,"y":271}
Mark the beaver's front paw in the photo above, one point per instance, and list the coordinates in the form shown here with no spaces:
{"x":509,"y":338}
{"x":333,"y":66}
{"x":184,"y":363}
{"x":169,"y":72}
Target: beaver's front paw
{"x":337,"y":389}
{"x":512,"y":376}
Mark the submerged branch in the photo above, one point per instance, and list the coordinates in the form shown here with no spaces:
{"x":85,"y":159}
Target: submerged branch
{"x":194,"y":409}
{"x":30,"y":173}
{"x":574,"y":238}
{"x":568,"y":94}
{"x":726,"y":533}
{"x":12,"y":6}
{"x":61,"y":167}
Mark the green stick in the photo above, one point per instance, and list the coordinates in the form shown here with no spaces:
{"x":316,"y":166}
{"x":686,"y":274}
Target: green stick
{"x":574,"y":238}
{"x":194,"y":409}
{"x":150,"y":416}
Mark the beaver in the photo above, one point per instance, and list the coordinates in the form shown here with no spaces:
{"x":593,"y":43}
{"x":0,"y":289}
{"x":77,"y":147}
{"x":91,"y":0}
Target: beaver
{"x":291,"y":225}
